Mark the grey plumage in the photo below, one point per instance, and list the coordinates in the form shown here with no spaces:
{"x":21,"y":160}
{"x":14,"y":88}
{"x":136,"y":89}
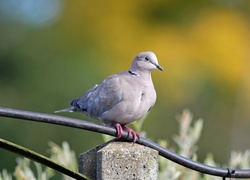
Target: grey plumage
{"x":123,"y":97}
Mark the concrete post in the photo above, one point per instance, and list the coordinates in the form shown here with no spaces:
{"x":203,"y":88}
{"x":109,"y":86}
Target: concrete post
{"x":119,"y":160}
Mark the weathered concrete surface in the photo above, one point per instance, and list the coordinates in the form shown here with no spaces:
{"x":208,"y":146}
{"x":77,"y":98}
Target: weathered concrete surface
{"x":119,"y":160}
{"x":87,"y":162}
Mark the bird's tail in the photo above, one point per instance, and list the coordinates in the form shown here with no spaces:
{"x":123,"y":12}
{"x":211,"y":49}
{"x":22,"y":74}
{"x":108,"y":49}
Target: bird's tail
{"x":71,"y":109}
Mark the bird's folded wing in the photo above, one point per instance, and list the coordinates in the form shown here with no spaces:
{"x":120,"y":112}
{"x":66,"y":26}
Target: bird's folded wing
{"x":100,"y":98}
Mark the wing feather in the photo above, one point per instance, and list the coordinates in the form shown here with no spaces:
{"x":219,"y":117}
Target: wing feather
{"x":100,"y":98}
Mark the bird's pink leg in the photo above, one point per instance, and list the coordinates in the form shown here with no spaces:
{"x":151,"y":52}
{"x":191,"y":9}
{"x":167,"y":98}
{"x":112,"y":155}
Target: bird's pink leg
{"x":131,"y":131}
{"x":119,"y":130}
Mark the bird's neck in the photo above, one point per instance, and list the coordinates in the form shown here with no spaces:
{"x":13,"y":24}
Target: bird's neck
{"x":132,"y":73}
{"x":138,"y":72}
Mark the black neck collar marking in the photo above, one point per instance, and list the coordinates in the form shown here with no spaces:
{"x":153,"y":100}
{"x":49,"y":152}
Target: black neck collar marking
{"x":132,"y":73}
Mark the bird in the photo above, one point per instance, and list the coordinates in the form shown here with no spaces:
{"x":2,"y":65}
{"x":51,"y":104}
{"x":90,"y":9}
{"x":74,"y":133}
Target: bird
{"x":121,"y":98}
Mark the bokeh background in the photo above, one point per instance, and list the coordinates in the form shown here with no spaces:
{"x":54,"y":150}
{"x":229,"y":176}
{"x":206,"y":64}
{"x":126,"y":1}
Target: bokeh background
{"x":53,"y":51}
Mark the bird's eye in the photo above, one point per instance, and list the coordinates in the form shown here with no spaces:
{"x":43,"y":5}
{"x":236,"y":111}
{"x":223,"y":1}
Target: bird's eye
{"x":146,"y":58}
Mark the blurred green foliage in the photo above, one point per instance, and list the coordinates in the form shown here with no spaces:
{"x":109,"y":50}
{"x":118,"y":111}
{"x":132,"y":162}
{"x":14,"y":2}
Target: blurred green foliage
{"x":202,"y":46}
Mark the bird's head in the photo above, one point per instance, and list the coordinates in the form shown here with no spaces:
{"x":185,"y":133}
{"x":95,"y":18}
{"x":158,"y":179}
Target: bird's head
{"x":145,"y":61}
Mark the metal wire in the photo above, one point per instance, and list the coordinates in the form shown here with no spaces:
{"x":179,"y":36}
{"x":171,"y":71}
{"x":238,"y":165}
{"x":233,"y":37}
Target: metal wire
{"x":81,"y":124}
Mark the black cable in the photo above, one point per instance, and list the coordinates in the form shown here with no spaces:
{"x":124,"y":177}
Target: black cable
{"x":81,"y":124}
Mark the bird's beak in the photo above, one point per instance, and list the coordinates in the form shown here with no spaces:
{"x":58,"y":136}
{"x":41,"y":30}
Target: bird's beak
{"x":159,"y":67}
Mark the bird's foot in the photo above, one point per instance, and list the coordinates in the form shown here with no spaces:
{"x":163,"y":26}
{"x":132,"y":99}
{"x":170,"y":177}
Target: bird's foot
{"x":131,"y":131}
{"x":119,"y":129}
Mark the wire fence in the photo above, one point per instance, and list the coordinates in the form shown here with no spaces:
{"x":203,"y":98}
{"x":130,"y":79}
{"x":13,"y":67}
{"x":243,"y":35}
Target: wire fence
{"x":85,"y":125}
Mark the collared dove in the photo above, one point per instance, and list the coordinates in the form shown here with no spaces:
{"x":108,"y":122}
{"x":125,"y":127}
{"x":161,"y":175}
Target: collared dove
{"x":121,"y":98}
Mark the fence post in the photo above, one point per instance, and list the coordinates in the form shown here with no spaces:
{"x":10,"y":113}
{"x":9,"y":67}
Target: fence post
{"x":119,"y":160}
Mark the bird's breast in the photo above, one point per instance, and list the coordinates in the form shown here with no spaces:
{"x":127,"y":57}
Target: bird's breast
{"x":134,"y":105}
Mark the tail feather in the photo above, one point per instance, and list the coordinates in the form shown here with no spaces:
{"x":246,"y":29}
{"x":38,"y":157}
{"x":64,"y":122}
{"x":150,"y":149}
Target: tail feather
{"x":71,"y":109}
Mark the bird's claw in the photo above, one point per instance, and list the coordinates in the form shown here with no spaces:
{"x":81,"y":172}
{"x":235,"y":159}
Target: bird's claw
{"x":120,"y":128}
